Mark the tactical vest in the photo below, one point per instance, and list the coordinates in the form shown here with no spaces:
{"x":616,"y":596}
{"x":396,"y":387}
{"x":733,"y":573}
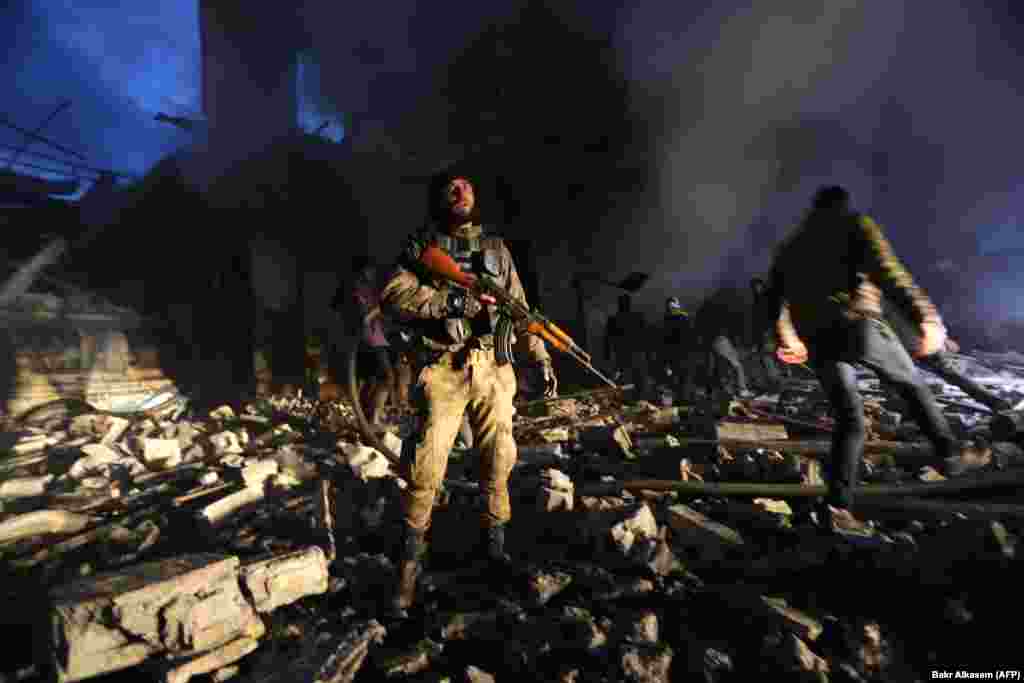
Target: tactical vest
{"x":480,"y":256}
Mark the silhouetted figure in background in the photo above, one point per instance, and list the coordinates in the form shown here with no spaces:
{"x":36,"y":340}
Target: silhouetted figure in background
{"x":625,"y":343}
{"x":721,"y":323}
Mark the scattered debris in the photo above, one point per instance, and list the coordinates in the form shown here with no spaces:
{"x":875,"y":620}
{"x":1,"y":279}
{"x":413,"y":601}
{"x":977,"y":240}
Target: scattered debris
{"x":296,"y":519}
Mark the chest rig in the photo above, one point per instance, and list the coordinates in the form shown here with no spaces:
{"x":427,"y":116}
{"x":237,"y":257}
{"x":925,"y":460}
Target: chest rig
{"x":481,"y":256}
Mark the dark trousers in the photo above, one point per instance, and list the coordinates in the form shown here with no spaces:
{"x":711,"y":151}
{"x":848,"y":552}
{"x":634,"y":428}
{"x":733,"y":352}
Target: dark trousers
{"x":942,"y":365}
{"x":724,"y":368}
{"x":873,"y":344}
{"x":634,"y":369}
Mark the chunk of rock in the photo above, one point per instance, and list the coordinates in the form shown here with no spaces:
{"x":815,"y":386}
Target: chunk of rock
{"x":211,"y":661}
{"x":646,"y":664}
{"x":411,"y":661}
{"x":182,"y":606}
{"x":638,"y":523}
{"x":543,"y":586}
{"x":283,"y":579}
{"x":556,"y":492}
{"x":226,"y":443}
{"x":365,"y":462}
{"x":693,"y":530}
{"x":116,"y":427}
{"x":256,"y":474}
{"x":101,"y":460}
{"x":473,"y":674}
{"x":160,"y":454}
{"x":640,"y":628}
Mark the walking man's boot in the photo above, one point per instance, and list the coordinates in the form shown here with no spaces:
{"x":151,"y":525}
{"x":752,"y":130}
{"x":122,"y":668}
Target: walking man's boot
{"x":414,"y":547}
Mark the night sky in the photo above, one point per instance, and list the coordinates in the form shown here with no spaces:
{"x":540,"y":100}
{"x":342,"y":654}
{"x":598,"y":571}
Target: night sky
{"x":933,"y":89}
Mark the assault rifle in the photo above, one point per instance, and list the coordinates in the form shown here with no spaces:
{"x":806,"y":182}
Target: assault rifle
{"x":515,"y":317}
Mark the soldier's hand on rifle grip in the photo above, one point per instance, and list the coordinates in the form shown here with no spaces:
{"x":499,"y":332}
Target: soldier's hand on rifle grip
{"x":550,"y":381}
{"x":462,"y":304}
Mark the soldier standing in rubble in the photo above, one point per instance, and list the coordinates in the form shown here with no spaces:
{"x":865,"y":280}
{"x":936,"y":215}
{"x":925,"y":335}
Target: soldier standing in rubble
{"x":824,"y":297}
{"x":458,"y":371}
{"x":625,"y":340}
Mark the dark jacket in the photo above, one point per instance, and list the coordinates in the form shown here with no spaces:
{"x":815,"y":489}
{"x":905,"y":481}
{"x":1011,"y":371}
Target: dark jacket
{"x":835,"y":267}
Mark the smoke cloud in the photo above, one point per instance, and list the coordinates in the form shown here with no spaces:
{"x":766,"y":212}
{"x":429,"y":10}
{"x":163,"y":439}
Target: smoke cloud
{"x":910,"y":104}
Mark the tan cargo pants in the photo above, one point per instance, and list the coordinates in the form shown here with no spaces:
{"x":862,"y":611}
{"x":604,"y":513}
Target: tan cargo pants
{"x":464,"y":382}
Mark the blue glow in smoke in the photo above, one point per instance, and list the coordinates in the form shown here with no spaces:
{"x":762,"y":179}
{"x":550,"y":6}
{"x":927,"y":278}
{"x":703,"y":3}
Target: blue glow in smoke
{"x":314,"y":115}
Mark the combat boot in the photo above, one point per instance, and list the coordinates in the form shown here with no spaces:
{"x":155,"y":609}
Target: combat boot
{"x":414,"y":547}
{"x":494,"y":542}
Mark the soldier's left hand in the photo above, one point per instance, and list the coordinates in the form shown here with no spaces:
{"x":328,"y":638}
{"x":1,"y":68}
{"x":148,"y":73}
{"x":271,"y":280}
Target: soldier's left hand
{"x":550,"y":381}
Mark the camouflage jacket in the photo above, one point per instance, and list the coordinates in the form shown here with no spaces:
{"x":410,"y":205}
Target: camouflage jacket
{"x":836,"y":267}
{"x":419,"y":299}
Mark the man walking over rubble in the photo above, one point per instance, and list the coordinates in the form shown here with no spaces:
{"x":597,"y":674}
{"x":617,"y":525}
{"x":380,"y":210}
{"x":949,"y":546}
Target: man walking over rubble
{"x":458,"y":371}
{"x":824,"y":297}
{"x":625,"y":342}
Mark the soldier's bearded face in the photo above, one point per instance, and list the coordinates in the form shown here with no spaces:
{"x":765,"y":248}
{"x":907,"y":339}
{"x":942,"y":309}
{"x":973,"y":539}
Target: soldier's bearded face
{"x":459,"y":198}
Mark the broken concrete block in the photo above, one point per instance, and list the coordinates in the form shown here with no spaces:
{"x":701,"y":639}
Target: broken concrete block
{"x":736,"y":430}
{"x":778,"y":507}
{"x":554,"y":434}
{"x":365,"y":462}
{"x":182,"y":606}
{"x":552,"y":500}
{"x":556,"y":479}
{"x":212,"y":661}
{"x":793,"y":620}
{"x":556,"y":493}
{"x":640,"y":628}
{"x":638,"y":523}
{"x":25,"y":487}
{"x":413,"y":660}
{"x":216,"y":513}
{"x":283,"y":579}
{"x":42,"y":522}
{"x":222,"y":413}
{"x":648,"y":664}
{"x":256,"y":474}
{"x":160,"y":454}
{"x":474,"y":675}
{"x":392,"y":442}
{"x":691,"y":529}
{"x":116,"y":427}
{"x":543,"y":586}
{"x":226,"y":443}
{"x":98,"y":459}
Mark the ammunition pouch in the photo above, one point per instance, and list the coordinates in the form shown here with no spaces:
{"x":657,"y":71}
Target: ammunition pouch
{"x":504,"y":337}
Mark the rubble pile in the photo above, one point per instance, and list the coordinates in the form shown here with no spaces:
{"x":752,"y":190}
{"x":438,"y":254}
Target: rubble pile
{"x":258,"y":544}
